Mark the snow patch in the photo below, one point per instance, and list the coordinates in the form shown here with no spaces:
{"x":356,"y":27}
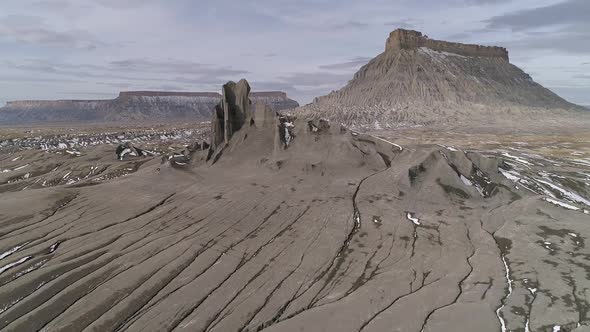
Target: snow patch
{"x":386,"y":141}
{"x":11,"y":251}
{"x":518,"y":159}
{"x":572,"y":196}
{"x":53,"y":247}
{"x":510,"y":175}
{"x":411,"y":217}
{"x":466,"y":181}
{"x":562,"y":204}
{"x":20,"y":167}
{"x":450,"y":148}
{"x":13,"y":264}
{"x":502,"y":322}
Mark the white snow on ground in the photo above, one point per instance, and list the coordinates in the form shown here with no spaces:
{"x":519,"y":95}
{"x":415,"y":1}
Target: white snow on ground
{"x":17,"y":158}
{"x":125,"y":152}
{"x":20,"y":167}
{"x":386,"y":141}
{"x":67,"y":174}
{"x":556,"y":328}
{"x":466,"y":181}
{"x":450,"y":148}
{"x":502,"y":322}
{"x":547,"y":246}
{"x":544,"y":190}
{"x":13,"y":264}
{"x":532,"y":290}
{"x":562,"y":204}
{"x":11,"y":251}
{"x":439,"y":55}
{"x":518,"y":159}
{"x":573,"y":196}
{"x":413,"y":219}
{"x":510,"y":175}
{"x":53,"y":247}
{"x":585,"y":162}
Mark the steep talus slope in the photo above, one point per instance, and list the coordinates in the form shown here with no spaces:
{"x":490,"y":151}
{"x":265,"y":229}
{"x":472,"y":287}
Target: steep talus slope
{"x":422,"y":81}
{"x":322,"y":229}
{"x":128,"y":107}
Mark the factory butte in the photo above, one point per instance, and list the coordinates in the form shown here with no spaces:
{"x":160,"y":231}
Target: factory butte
{"x":416,"y":80}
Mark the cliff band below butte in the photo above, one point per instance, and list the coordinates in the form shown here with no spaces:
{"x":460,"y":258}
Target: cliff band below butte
{"x":418,"y":80}
{"x":315,"y":228}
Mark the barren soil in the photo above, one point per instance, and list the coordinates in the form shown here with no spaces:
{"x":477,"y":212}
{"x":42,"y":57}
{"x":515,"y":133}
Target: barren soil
{"x":419,"y":229}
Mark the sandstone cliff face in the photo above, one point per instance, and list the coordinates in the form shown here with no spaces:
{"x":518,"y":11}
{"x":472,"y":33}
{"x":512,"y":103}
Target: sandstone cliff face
{"x":422,"y":81}
{"x":231,"y":113}
{"x":130,"y":106}
{"x":410,"y":39}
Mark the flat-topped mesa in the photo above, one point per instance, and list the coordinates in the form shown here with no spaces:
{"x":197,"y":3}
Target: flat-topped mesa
{"x":401,"y":39}
{"x":278,"y":100}
{"x":167,"y":94}
{"x":41,"y":103}
{"x":268,"y":94}
{"x":132,"y":106}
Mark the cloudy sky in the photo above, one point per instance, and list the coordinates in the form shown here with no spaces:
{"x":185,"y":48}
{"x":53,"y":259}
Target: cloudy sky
{"x":91,"y":49}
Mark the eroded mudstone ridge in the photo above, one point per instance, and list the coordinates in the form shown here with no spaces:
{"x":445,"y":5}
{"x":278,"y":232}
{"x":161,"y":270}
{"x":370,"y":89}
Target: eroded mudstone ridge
{"x":410,"y":39}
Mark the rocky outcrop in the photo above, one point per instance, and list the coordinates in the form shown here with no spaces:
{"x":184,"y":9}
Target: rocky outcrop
{"x":238,"y":122}
{"x":419,"y":81}
{"x":128,"y":107}
{"x":127,"y":150}
{"x":286,"y":130}
{"x":231,"y":114}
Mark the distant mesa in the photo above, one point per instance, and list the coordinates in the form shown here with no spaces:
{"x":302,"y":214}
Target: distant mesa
{"x":422,"y":81}
{"x":125,"y":94}
{"x":130,"y":106}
